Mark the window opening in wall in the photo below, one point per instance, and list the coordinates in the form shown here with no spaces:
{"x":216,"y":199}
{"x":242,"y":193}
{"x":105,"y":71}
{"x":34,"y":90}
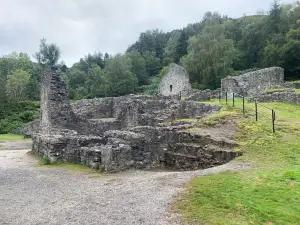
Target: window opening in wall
{"x":171,"y":87}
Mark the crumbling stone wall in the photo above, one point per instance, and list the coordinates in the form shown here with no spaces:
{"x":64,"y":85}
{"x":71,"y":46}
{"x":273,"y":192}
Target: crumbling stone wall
{"x":176,"y":80}
{"x":254,"y":82}
{"x":56,"y":112}
{"x":130,"y":111}
{"x":292,"y":85}
{"x":288,"y":96}
{"x":203,"y":95}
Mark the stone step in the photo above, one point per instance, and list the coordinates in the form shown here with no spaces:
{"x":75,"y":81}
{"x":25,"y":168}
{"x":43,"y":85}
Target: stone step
{"x":185,"y":161}
{"x":204,"y":139}
{"x":187,"y":148}
{"x":195,"y":149}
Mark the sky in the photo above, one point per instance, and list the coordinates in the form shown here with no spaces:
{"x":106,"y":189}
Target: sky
{"x":80,"y":27}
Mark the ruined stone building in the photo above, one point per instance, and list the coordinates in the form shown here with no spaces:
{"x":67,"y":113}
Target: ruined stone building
{"x":253,"y":83}
{"x":176,"y":80}
{"x":118,"y":133}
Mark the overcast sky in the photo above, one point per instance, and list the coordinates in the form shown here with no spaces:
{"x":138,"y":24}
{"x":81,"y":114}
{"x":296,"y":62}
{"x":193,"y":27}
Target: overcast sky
{"x":82,"y":26}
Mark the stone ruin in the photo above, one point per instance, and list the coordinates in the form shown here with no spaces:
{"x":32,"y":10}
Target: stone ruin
{"x":278,"y":95}
{"x":175,"y":81}
{"x":253,"y":83}
{"x":118,"y":133}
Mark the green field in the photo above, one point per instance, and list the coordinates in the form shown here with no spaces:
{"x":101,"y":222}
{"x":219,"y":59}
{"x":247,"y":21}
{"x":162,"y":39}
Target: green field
{"x":11,"y":137}
{"x":269,"y":193}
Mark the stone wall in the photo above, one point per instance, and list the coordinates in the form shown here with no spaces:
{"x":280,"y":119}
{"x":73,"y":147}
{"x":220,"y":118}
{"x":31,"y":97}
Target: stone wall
{"x":130,"y":111}
{"x":56,"y":112}
{"x":288,"y":96}
{"x":142,"y":147}
{"x":253,"y":83}
{"x":203,"y":95}
{"x":28,"y":129}
{"x":292,"y":85}
{"x":176,"y":80}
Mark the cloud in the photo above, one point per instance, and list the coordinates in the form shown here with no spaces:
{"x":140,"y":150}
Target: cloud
{"x":79,"y":27}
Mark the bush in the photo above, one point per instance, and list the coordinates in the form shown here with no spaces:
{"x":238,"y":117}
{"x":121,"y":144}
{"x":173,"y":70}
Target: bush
{"x":45,"y":160}
{"x":27,"y":116}
{"x":16,"y":115}
{"x":6,"y":125}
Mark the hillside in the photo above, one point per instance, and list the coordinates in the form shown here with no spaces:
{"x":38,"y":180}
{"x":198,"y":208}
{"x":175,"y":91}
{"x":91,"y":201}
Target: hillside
{"x":268,"y":193}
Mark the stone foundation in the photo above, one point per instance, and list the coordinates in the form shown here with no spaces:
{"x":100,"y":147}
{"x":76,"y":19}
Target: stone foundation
{"x":139,"y":148}
{"x":115,"y":134}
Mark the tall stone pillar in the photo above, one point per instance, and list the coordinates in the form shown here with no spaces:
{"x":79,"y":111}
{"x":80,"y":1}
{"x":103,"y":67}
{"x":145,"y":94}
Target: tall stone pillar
{"x":56,"y":112}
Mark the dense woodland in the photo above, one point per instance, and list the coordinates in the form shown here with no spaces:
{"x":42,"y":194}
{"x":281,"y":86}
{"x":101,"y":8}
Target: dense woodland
{"x":209,"y":50}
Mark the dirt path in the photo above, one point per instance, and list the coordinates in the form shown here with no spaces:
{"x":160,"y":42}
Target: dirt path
{"x":34,"y":195}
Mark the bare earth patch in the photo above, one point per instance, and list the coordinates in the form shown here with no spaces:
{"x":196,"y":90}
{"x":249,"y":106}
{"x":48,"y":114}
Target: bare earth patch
{"x":16,"y":145}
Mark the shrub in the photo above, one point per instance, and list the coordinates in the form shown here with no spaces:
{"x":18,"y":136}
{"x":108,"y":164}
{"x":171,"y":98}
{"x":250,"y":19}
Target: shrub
{"x":14,"y":115}
{"x":45,"y":160}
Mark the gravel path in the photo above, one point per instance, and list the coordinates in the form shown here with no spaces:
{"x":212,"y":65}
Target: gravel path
{"x":34,"y":195}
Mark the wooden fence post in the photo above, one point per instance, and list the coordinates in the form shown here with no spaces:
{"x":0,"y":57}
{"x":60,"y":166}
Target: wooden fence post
{"x":243,"y":105}
{"x":256,"y":112}
{"x":273,"y":120}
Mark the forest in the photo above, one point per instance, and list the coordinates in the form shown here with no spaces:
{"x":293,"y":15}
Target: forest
{"x":209,"y":50}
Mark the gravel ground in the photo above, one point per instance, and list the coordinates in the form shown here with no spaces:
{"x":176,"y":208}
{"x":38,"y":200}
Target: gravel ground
{"x":35,"y":195}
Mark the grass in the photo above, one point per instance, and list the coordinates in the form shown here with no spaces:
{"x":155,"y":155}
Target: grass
{"x":79,"y":168}
{"x":71,"y":166}
{"x":269,"y":193}
{"x":10,"y":137}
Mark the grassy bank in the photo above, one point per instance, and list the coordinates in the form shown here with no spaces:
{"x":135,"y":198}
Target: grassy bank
{"x":269,"y":193}
{"x":10,"y":137}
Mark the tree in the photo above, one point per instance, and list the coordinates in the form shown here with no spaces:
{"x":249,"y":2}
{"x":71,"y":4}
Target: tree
{"x":96,"y":83}
{"x":33,"y":87}
{"x":274,"y":18}
{"x":160,"y":43}
{"x":76,"y":82}
{"x":10,"y":63}
{"x":153,"y":63}
{"x":252,"y":43}
{"x":171,"y":47}
{"x":210,"y":56}
{"x":48,"y":55}
{"x":90,"y":60}
{"x":120,"y":78}
{"x":234,"y":30}
{"x":181,"y":48}
{"x":16,"y":85}
{"x":138,"y":67}
{"x":272,"y":54}
{"x":291,"y":52}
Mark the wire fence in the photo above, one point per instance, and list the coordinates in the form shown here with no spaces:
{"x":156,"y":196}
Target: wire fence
{"x":236,"y":98}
